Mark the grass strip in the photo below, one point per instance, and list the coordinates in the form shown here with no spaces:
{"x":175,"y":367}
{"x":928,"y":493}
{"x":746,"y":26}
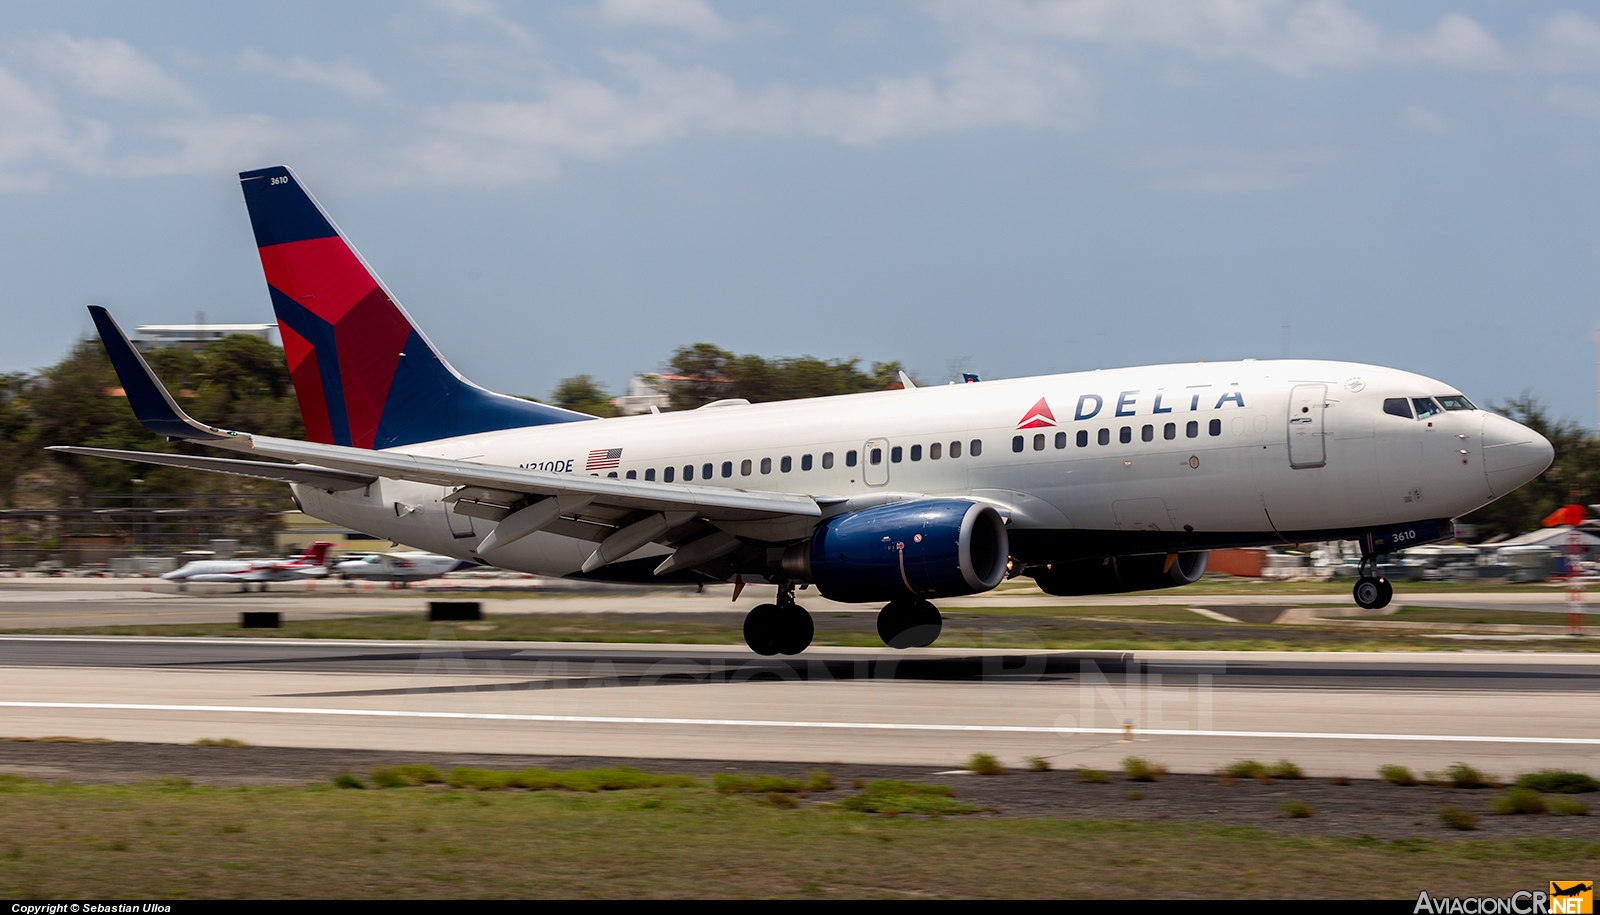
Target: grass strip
{"x":179,"y":841}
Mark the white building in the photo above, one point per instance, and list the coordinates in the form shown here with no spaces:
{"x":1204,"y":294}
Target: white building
{"x":147,"y":337}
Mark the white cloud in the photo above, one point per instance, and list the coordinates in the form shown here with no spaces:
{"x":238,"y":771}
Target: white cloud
{"x":1294,"y":38}
{"x":108,"y":68}
{"x":344,"y":76}
{"x":694,"y":17}
{"x":37,"y":139}
{"x":1578,"y":100}
{"x":1231,"y":169}
{"x":1567,"y":41}
{"x":1424,"y":120}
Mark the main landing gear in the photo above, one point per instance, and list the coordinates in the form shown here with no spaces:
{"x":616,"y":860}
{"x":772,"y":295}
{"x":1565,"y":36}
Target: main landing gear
{"x":781,"y":628}
{"x":1372,"y":592}
{"x":909,"y":623}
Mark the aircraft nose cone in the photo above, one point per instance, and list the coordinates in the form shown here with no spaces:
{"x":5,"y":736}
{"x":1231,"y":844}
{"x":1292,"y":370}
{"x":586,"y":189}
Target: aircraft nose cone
{"x":1513,"y":454}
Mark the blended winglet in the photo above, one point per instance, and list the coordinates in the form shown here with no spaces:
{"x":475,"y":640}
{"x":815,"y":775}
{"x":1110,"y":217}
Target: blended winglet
{"x":152,"y":405}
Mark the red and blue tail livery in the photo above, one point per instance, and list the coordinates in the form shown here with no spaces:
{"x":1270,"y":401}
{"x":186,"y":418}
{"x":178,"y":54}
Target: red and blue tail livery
{"x":364,"y":373}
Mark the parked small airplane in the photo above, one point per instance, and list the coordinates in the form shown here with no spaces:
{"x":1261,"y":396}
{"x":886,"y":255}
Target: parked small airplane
{"x":413,"y":566}
{"x":313,"y":563}
{"x":1111,"y":481}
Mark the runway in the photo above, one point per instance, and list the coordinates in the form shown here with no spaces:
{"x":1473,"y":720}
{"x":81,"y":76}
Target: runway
{"x":1335,"y":713}
{"x":39,"y":603}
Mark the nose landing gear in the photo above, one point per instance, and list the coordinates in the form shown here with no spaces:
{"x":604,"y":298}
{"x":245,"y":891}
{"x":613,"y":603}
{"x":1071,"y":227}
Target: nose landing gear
{"x":1372,"y":592}
{"x":781,"y":628}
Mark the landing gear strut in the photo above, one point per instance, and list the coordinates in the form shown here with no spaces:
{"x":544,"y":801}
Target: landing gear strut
{"x":909,"y":623}
{"x":781,"y":628}
{"x":1372,"y":592}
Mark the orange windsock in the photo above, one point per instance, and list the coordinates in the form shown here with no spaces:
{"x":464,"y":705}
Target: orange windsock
{"x":1569,"y":515}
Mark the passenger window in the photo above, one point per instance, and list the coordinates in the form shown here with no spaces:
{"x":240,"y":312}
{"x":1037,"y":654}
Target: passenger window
{"x":1104,"y":437}
{"x":1147,"y":434}
{"x":1126,"y":435}
{"x":1192,"y":430}
{"x":707,"y":469}
{"x":876,"y":457}
{"x":934,"y":450}
{"x":1216,"y":427}
{"x":787,"y":464}
{"x":1425,"y":407}
{"x":1061,"y":440}
{"x":894,"y":454}
{"x":1038,"y":442}
{"x":849,"y":459}
{"x":955,"y":449}
{"x":1454,"y":402}
{"x":650,"y":475}
{"x":827,"y":460}
{"x":1169,"y":431}
{"x":975,"y":447}
{"x":612,"y":475}
{"x":633,"y":474}
{"x":916,"y":452}
{"x":1083,"y":438}
{"x":766,"y":465}
{"x":666,"y":475}
{"x":1397,"y":406}
{"x":688,"y":472}
{"x":1016,"y":443}
{"x":805,"y":462}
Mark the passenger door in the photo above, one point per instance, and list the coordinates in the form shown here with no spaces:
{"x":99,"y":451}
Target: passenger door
{"x":1306,"y":445}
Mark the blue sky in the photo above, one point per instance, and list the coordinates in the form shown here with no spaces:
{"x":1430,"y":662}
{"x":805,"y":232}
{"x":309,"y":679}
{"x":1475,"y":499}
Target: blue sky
{"x":1014,"y":188}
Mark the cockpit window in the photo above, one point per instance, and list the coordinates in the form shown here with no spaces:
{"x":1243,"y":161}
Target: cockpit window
{"x":1455,"y":402}
{"x":1425,"y":407}
{"x":1397,"y":406}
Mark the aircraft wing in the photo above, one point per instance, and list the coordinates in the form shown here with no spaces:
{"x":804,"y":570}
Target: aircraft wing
{"x":320,"y":477}
{"x":496,"y":490}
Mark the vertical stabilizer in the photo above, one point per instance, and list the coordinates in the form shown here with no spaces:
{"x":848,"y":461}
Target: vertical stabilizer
{"x":364,"y":373}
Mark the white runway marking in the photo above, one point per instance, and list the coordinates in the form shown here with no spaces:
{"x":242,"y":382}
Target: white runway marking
{"x":759,"y":723}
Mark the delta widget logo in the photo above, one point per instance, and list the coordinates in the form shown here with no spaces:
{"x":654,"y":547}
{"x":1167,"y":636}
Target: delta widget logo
{"x":1039,"y":417}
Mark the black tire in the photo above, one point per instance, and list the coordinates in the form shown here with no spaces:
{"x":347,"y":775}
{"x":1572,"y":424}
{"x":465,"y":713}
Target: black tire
{"x":795,"y":629}
{"x":1385,"y":594}
{"x":762,"y":628}
{"x":909,"y":623}
{"x":1368,"y":593}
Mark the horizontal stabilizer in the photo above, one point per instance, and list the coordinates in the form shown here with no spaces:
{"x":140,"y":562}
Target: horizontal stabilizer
{"x":320,"y":477}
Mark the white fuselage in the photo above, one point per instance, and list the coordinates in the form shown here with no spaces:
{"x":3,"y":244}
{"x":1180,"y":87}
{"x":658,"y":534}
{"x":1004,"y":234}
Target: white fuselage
{"x":1248,"y":448}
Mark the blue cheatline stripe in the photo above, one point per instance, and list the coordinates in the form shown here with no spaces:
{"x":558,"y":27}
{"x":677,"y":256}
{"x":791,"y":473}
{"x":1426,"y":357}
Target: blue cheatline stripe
{"x":281,"y":212}
{"x":320,"y":335}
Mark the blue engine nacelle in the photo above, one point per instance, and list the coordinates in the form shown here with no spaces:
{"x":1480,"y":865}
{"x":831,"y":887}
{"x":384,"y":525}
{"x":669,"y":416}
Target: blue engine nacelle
{"x":927,"y":548}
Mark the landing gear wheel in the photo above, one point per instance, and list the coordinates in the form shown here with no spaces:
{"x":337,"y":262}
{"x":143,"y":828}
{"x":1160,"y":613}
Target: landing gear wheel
{"x":771,"y":629}
{"x":795,"y":629}
{"x":909,"y":623}
{"x":1386,"y":593}
{"x":763,"y":629}
{"x":1373,"y":593}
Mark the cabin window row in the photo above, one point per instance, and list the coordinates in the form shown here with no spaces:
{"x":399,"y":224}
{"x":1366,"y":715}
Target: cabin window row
{"x":786,"y":463}
{"x":1147,"y":433}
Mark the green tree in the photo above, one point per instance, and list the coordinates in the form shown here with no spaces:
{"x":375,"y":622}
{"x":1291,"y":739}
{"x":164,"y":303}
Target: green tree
{"x":584,"y":394}
{"x":1576,"y":464}
{"x":713,"y":373}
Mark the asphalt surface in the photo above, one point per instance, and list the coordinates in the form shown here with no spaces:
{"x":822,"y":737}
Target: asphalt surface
{"x":1334,"y":713}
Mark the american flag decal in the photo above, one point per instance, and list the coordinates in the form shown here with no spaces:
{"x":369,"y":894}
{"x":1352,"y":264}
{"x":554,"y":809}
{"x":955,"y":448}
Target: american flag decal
{"x":604,"y":459}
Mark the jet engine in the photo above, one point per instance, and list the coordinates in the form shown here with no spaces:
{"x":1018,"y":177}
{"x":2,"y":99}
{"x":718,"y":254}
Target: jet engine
{"x":1120,"y":573}
{"x":924,"y":549}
